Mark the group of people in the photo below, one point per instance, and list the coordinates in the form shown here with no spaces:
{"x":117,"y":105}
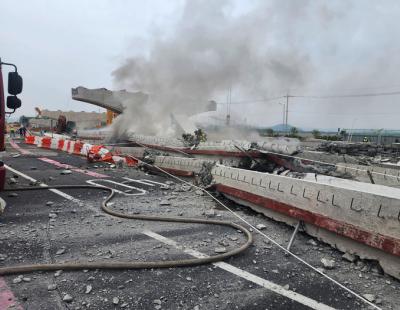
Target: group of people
{"x":20,"y":131}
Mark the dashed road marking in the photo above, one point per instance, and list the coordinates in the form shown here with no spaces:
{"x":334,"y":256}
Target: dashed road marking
{"x":53,"y":190}
{"x":313,"y":304}
{"x":97,"y":183}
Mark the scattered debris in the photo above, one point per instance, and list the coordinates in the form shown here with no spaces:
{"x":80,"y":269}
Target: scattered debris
{"x":65,"y":172}
{"x":349,"y":257}
{"x":115,"y":300}
{"x":58,"y":273}
{"x":312,"y":242}
{"x":369,"y":297}
{"x":328,"y":263}
{"x":12,"y":181}
{"x":220,"y":250}
{"x":17,"y":280}
{"x":199,"y":192}
{"x":68,"y":298}
{"x":261,"y":226}
{"x":60,"y":251}
{"x":210,"y":213}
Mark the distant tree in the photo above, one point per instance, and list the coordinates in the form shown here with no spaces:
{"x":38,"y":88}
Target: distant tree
{"x":269,"y":132}
{"x":316,"y":133}
{"x":294,"y":131}
{"x":342,"y":133}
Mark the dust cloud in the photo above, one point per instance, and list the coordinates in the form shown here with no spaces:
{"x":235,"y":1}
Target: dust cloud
{"x":258,"y":50}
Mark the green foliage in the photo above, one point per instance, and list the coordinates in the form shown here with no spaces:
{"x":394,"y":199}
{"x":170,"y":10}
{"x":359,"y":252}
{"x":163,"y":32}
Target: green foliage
{"x":316,"y":133}
{"x":294,"y":131}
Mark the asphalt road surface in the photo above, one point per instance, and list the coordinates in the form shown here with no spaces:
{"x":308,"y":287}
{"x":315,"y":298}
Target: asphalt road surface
{"x":63,"y":226}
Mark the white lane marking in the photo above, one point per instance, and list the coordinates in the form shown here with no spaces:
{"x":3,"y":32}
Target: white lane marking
{"x":227,"y":267}
{"x":96,"y":182}
{"x":137,"y":181}
{"x":154,"y":182}
{"x":56,"y":191}
{"x":245,"y":275}
{"x":53,"y":190}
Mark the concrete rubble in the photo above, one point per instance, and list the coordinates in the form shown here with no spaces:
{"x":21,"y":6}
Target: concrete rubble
{"x":275,"y":158}
{"x":246,"y":176}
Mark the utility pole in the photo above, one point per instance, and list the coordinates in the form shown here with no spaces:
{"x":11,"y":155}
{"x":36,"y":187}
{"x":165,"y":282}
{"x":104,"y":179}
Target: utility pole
{"x":287,"y":112}
{"x":228,"y":107}
{"x":283,"y":114}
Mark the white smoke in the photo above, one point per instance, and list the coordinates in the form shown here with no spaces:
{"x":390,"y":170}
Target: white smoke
{"x":267,"y":49}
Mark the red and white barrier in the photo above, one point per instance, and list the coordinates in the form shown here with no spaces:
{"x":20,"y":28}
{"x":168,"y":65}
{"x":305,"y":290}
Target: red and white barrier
{"x":92,"y":152}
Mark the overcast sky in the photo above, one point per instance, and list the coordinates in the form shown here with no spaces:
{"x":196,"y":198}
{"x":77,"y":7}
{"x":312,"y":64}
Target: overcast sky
{"x":331,"y":47}
{"x":62,"y":44}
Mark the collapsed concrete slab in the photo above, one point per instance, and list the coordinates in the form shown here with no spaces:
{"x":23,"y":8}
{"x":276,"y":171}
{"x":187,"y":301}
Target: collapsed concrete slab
{"x":355,"y":217}
{"x":219,"y":148}
{"x":111,"y":100}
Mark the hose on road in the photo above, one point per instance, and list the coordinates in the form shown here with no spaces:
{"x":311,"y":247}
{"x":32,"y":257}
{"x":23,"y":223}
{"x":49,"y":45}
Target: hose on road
{"x":131,"y":264}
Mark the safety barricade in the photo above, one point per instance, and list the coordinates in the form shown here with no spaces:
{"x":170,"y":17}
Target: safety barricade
{"x":92,"y":152}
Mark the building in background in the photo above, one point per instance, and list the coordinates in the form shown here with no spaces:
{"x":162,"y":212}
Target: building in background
{"x":83,"y":120}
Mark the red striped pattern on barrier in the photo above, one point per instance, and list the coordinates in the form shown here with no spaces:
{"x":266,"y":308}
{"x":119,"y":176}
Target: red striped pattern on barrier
{"x":92,"y":152}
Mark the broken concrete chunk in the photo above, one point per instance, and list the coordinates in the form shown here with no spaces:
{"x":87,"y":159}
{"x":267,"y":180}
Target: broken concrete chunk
{"x":17,"y":280}
{"x":67,"y":298}
{"x":12,"y":195}
{"x":220,"y":250}
{"x":12,"y":181}
{"x":369,"y":297}
{"x":65,"y":172}
{"x":328,"y":263}
{"x":88,"y":289}
{"x":233,"y":238}
{"x":199,"y":192}
{"x":186,"y":187}
{"x":157,"y":302}
{"x":261,"y":226}
{"x":115,"y":300}
{"x":312,"y":242}
{"x":165,"y":203}
{"x":60,"y":251}
{"x":58,"y":273}
{"x":210,"y":213}
{"x":49,"y":203}
{"x":349,"y":257}
{"x":52,"y":287}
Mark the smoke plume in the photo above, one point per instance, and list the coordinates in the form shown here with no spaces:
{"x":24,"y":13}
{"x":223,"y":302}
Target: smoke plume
{"x":258,"y":50}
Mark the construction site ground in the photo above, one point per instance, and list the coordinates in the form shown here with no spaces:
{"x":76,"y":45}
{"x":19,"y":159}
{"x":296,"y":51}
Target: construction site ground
{"x":44,"y":227}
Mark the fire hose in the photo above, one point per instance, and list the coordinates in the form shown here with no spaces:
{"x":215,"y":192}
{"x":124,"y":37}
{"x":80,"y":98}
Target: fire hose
{"x":130,"y":264}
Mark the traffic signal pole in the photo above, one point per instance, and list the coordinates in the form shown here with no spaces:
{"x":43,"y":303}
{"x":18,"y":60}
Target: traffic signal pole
{"x":2,"y":112}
